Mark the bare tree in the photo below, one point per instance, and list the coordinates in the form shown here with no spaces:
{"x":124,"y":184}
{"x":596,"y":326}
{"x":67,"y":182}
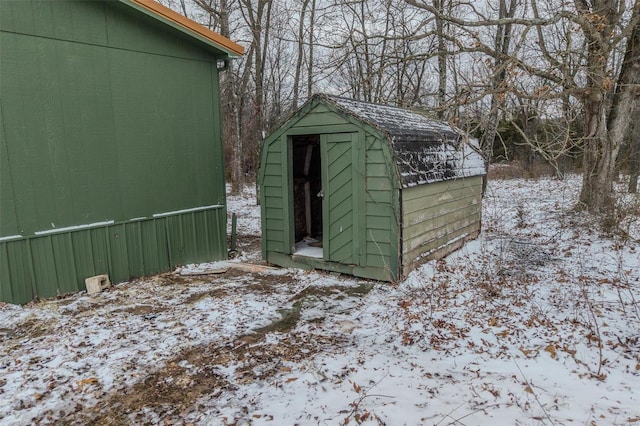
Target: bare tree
{"x":606,"y":114}
{"x":634,"y":153}
{"x":584,"y":69}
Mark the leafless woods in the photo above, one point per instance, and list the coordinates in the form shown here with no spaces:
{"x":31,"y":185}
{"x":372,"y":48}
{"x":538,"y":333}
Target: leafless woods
{"x":554,"y":81}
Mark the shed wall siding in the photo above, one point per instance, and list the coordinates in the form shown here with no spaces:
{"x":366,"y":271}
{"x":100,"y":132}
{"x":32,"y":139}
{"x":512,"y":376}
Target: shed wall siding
{"x":438,"y":214}
{"x":274,"y":197}
{"x":381,"y":218}
{"x":106,"y":116}
{"x":374,"y":197}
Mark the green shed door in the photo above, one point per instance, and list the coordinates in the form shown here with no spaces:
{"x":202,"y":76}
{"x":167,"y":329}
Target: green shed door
{"x":338,"y":214}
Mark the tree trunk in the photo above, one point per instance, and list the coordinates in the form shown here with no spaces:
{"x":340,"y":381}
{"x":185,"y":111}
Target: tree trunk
{"x":598,"y":164}
{"x":634,"y":155}
{"x":300,"y":59}
{"x":310,"y":62}
{"x":605,"y":136}
{"x":442,"y":61}
{"x":502,"y":46}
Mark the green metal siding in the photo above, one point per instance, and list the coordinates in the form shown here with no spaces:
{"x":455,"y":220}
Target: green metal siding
{"x":105,"y":117}
{"x":49,"y":265}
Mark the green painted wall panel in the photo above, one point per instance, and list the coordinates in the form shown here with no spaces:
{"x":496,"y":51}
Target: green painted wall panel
{"x":59,"y":263}
{"x":99,"y":239}
{"x":378,"y":222}
{"x":44,"y":265}
{"x":20,"y":270}
{"x":441,"y":245}
{"x":435,"y":214}
{"x":83,"y":253}
{"x":118,"y":252}
{"x":433,"y":211}
{"x":275,"y":225}
{"x":107,"y":115}
{"x":124,"y":134}
{"x":437,"y":227}
{"x":420,"y":192}
{"x":62,"y":248}
{"x":135,"y":255}
{"x":65,"y":20}
{"x":142,"y":33}
{"x":5,"y":276}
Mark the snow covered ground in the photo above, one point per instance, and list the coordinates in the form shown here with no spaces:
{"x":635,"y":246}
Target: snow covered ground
{"x":536,"y":322}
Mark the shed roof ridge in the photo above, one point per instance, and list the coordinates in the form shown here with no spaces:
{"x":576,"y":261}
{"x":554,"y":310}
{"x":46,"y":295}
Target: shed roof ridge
{"x":392,"y":120}
{"x":417,"y":113}
{"x":424,"y":150}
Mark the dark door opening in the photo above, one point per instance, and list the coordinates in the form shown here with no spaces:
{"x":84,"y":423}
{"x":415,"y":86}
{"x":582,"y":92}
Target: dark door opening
{"x":307,"y":195}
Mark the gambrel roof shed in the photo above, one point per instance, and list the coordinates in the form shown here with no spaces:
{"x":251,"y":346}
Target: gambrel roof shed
{"x":111,"y":154}
{"x":366,"y":189}
{"x":425,"y":150}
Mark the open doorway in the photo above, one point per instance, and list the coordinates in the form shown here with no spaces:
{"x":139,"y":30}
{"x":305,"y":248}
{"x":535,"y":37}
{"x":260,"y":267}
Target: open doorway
{"x":307,"y":195}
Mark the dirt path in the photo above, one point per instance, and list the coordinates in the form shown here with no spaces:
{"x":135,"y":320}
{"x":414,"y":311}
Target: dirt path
{"x":172,"y":391}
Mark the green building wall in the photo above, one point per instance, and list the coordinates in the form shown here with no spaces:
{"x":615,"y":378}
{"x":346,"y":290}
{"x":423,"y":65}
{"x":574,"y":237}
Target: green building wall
{"x":111,"y":157}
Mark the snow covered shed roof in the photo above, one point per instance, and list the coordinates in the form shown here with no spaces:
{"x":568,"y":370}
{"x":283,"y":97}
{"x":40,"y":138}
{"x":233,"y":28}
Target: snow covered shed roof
{"x":424,"y":150}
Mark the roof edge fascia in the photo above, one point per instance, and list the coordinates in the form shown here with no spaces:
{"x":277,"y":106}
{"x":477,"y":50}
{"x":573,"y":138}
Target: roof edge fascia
{"x":186,"y":26}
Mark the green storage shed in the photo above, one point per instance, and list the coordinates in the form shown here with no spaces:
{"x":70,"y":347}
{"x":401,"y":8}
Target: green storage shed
{"x":111,"y":154}
{"x":365,"y":189}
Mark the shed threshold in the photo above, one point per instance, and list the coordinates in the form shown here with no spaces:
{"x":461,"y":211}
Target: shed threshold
{"x":306,"y":249}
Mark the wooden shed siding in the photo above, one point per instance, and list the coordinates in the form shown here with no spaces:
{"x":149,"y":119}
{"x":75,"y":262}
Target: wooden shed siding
{"x":452,"y":211}
{"x":416,"y":236}
{"x":381,"y":224}
{"x":439,"y":206}
{"x":444,"y":242}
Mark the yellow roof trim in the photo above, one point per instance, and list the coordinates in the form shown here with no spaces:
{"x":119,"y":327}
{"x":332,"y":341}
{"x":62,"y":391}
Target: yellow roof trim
{"x":190,"y":25}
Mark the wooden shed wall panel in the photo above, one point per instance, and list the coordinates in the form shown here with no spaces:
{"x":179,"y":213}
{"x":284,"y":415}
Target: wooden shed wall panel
{"x":272,"y":203}
{"x":444,"y":225}
{"x":422,"y":191}
{"x":453,"y":210}
{"x":320,"y":117}
{"x":450,"y":194}
{"x":434,"y":211}
{"x":434,"y":245}
{"x":381,"y":230}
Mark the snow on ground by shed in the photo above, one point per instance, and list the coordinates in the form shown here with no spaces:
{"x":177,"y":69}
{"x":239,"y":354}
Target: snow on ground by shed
{"x":245,"y":208}
{"x":536,"y":322}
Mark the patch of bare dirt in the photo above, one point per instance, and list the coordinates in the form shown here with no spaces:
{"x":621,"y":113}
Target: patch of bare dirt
{"x":140,"y":309}
{"x":169,"y":394}
{"x":32,"y":328}
{"x":194,"y":373}
{"x":340,"y":292}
